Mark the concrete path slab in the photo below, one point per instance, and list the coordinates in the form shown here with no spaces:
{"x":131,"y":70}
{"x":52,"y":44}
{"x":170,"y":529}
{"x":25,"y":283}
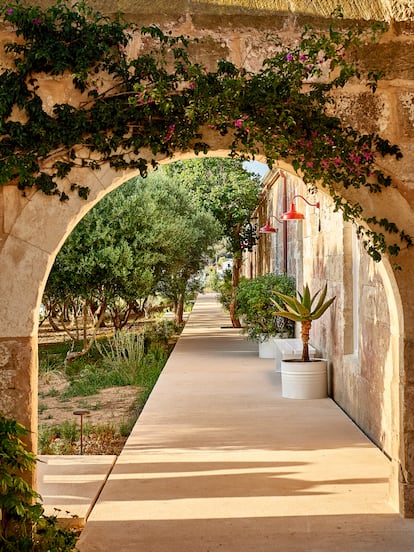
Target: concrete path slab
{"x":70,"y":485}
{"x":219,"y":461}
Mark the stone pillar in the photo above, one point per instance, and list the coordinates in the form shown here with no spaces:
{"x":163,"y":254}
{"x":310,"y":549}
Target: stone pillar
{"x":18,"y":387}
{"x":406,"y":472}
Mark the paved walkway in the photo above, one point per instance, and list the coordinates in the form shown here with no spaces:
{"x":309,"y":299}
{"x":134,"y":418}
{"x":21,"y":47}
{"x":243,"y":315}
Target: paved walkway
{"x":70,"y":485}
{"x":218,"y":461}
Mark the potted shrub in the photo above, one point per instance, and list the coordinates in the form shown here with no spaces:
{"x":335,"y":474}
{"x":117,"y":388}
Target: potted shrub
{"x":255,"y":300}
{"x":304,"y":378}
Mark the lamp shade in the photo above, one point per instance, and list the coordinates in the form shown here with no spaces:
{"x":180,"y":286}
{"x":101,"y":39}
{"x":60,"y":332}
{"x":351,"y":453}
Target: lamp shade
{"x":267,"y":228}
{"x":292,"y":214}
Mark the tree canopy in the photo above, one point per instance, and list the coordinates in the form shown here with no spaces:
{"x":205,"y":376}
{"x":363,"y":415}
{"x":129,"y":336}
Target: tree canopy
{"x":143,"y":237}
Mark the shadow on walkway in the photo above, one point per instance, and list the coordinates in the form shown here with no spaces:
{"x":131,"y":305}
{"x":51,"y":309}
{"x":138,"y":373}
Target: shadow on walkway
{"x":218,"y":461}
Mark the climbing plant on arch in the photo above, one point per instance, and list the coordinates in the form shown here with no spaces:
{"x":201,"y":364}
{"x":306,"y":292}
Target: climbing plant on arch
{"x":130,"y":111}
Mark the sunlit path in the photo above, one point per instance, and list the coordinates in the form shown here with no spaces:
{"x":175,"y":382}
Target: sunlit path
{"x":219,"y":461}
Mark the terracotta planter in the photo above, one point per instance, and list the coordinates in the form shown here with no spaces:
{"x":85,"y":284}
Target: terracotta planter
{"x":304,"y":380}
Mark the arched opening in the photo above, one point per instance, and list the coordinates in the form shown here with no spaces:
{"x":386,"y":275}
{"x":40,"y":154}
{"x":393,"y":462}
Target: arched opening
{"x":140,"y":248}
{"x":37,"y":240}
{"x":35,"y":227}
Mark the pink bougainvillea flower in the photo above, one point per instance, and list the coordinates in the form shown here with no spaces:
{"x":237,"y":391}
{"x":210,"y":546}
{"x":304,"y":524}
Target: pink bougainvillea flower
{"x":289,"y":57}
{"x":325,"y":164}
{"x":10,"y":11}
{"x":170,"y":132}
{"x":36,"y":21}
{"x":238,"y":123}
{"x":355,"y":158}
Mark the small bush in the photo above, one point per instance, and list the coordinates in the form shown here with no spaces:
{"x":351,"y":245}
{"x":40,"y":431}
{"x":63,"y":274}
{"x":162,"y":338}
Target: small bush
{"x":24,"y":527}
{"x":224,"y":289}
{"x":254,"y":305}
{"x":59,"y":439}
{"x":123,"y":351}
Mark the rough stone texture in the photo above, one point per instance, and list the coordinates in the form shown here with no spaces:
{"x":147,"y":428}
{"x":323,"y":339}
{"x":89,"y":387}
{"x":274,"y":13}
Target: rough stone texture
{"x":18,"y":383}
{"x":33,"y":229}
{"x":407,"y":499}
{"x":400,"y":10}
{"x":394,"y":58}
{"x":367,"y":113}
{"x":406,"y":113}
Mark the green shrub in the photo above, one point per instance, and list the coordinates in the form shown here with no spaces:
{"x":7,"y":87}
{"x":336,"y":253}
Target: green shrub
{"x":59,"y":439}
{"x":256,"y":309}
{"x":224,"y":289}
{"x":23,"y":525}
{"x":124,"y":350}
{"x":124,"y":362}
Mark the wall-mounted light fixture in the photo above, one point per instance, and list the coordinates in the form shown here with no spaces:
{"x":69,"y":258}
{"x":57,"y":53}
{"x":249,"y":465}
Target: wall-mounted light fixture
{"x":268,"y":228}
{"x":293,"y":214}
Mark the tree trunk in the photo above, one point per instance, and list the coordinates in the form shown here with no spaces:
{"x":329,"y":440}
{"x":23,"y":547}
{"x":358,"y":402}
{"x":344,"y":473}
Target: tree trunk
{"x":179,"y":313}
{"x":306,"y":326}
{"x":53,"y":324}
{"x":70,"y":355}
{"x":234,"y":283}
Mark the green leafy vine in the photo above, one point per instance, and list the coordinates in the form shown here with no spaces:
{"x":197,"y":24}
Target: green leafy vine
{"x":161,"y":101}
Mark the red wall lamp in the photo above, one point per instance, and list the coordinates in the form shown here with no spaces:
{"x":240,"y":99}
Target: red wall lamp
{"x":292,"y":214}
{"x":268,"y":228}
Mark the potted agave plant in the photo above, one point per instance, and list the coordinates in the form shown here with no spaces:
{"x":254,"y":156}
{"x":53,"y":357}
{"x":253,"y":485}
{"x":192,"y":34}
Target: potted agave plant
{"x":305,"y":378}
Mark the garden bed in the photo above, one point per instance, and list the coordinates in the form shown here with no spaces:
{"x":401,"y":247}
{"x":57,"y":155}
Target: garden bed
{"x":111,"y":386}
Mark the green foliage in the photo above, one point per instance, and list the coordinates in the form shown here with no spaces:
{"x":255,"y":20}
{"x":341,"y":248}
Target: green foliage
{"x":64,"y":439}
{"x":23,"y":525}
{"x":255,"y":305}
{"x":147,"y":236}
{"x":123,"y":351}
{"x":125,"y":359}
{"x":132,"y":106}
{"x":302,"y":309}
{"x":230,"y":194}
{"x":225,"y":189}
{"x":224,"y":288}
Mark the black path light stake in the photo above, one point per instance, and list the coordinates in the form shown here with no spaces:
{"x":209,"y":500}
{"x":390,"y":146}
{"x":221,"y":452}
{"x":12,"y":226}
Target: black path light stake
{"x":81,"y":413}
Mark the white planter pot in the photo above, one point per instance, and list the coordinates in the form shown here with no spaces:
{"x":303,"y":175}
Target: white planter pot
{"x":304,"y":380}
{"x":288,"y":348}
{"x":267,"y":348}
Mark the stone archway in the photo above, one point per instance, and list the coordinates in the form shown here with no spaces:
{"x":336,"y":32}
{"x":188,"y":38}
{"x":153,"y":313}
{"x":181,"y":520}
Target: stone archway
{"x":33,"y":228}
{"x":37,"y":226}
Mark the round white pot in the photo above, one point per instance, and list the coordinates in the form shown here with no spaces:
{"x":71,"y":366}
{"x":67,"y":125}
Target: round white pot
{"x":304,"y":380}
{"x":267,"y":348}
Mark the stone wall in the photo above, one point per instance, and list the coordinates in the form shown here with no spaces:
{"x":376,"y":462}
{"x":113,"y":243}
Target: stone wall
{"x":361,"y":333}
{"x":378,"y":388}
